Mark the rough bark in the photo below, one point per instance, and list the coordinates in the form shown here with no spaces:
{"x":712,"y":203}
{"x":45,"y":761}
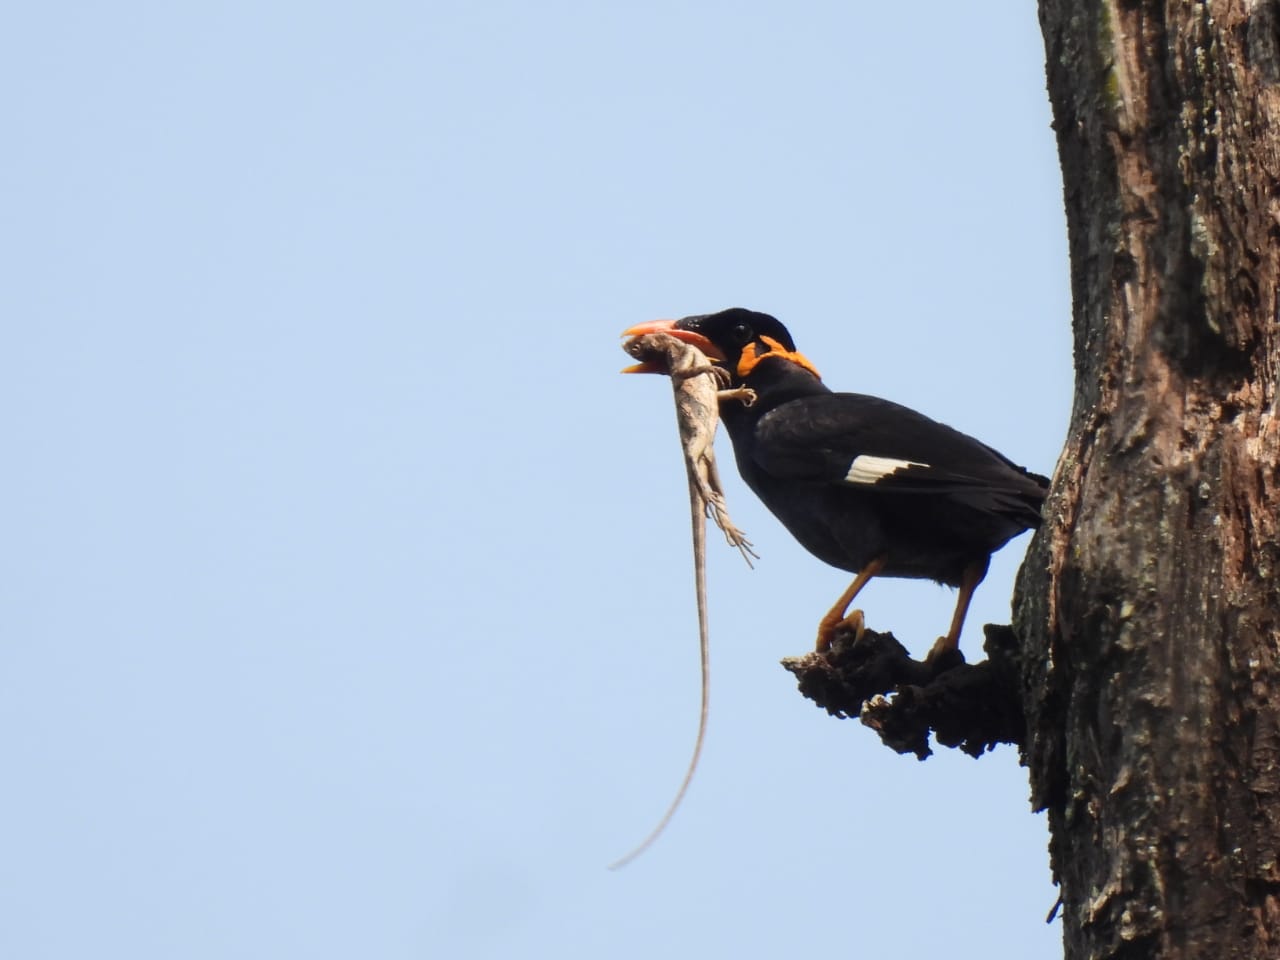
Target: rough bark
{"x":1148,"y":606}
{"x":1147,"y":616}
{"x":972,"y":707}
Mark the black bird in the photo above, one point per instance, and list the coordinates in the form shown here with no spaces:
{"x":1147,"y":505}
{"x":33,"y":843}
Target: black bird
{"x":864,"y":484}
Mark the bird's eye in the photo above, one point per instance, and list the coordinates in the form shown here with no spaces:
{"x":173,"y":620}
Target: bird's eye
{"x":742,"y":334}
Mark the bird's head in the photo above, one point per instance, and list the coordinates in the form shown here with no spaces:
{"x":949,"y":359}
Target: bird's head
{"x":736,"y":338}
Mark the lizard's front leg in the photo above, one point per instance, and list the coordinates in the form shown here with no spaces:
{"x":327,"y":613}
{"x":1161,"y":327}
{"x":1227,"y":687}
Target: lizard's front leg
{"x":745,"y":394}
{"x":720,"y":374}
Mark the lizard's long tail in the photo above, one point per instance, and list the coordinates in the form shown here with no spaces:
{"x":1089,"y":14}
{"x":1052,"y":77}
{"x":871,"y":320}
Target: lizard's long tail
{"x":698,"y":513}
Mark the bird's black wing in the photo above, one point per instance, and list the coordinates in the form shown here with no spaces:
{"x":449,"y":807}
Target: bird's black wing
{"x":850,"y":439}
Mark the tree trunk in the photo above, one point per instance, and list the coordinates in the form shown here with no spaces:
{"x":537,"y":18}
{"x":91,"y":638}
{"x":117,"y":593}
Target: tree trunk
{"x":1148,"y":605}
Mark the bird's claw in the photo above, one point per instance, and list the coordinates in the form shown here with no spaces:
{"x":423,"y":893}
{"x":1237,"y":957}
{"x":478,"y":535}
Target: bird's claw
{"x":854,"y":621}
{"x":944,"y":655}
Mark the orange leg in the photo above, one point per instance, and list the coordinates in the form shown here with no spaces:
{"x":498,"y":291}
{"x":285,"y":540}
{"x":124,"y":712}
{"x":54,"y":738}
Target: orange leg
{"x":972,"y":576}
{"x":836,"y":615}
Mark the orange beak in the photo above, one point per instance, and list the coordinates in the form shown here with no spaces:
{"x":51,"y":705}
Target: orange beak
{"x":647,"y":366}
{"x":669,"y":327}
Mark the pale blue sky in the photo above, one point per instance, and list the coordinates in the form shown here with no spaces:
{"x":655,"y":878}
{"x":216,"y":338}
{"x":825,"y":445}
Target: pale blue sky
{"x":345,"y":594}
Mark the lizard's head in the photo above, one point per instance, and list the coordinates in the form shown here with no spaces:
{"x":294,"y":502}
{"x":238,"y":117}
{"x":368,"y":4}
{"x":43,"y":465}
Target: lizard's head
{"x":657,"y":345}
{"x":655,"y":351}
{"x":736,"y":339}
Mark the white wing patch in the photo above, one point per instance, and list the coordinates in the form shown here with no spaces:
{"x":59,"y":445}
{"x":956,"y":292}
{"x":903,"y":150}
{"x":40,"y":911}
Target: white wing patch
{"x":869,"y":469}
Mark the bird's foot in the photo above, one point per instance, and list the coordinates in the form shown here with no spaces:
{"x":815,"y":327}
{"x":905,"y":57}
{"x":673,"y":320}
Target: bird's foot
{"x":944,"y":655}
{"x":855,"y":621}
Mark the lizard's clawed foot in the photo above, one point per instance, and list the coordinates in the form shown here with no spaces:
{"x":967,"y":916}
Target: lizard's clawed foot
{"x":744,"y":546}
{"x":855,"y":621}
{"x":717,"y":511}
{"x":746,"y":395}
{"x":720,"y":375}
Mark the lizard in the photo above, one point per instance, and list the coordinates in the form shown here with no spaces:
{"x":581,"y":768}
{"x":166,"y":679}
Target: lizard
{"x":697,"y":384}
